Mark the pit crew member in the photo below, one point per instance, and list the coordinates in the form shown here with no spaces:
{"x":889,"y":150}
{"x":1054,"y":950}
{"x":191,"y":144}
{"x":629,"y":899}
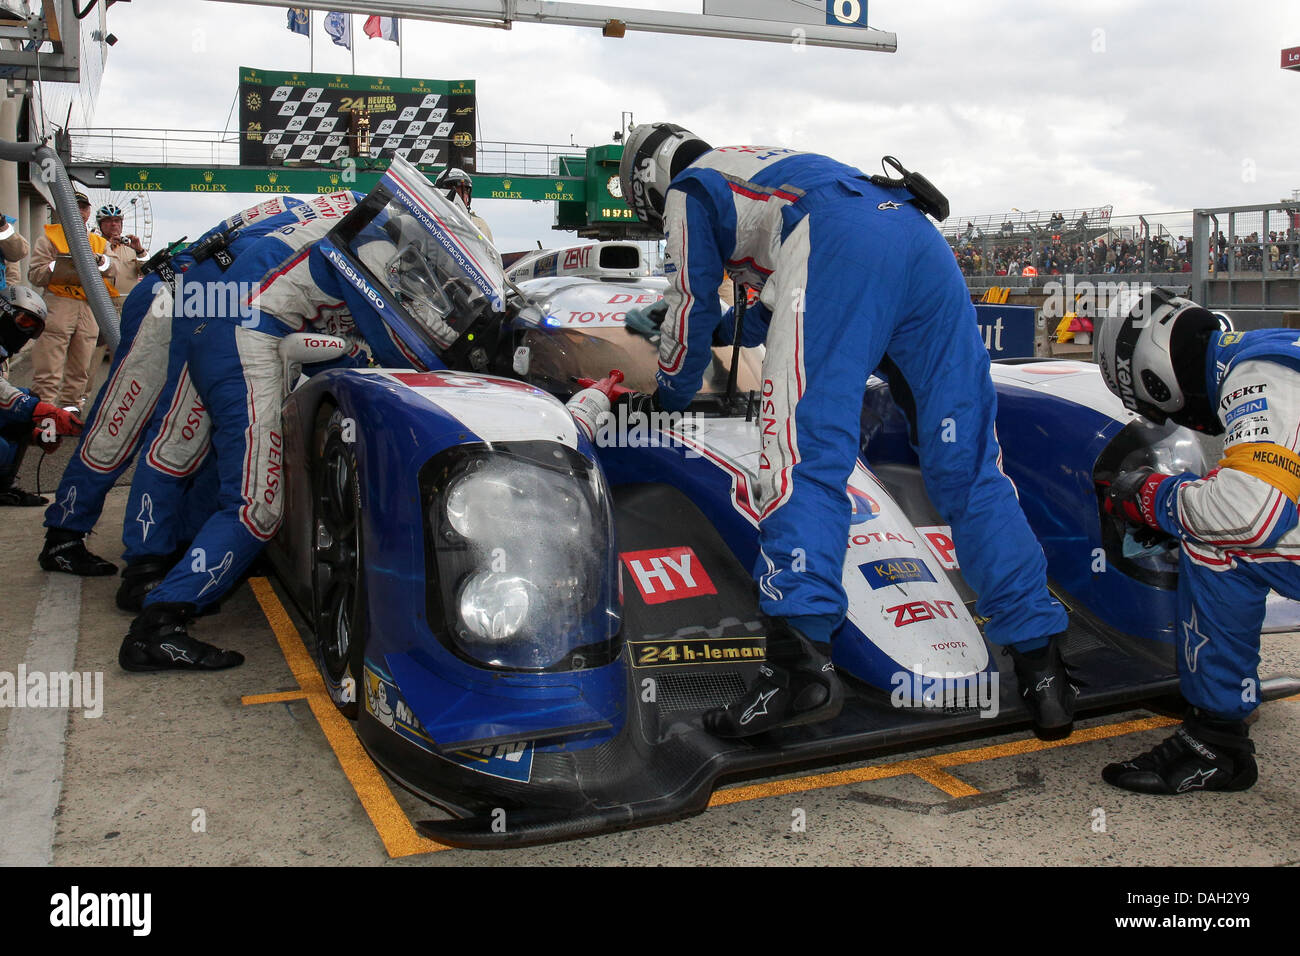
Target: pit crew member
{"x":142,"y":381}
{"x":23,"y":416}
{"x":298,"y":283}
{"x":459,"y":186}
{"x":1168,"y":358}
{"x":61,"y":358}
{"x":850,"y":273}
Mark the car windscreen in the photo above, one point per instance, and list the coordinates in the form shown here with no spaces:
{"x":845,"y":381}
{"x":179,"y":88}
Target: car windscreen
{"x":426,"y":254}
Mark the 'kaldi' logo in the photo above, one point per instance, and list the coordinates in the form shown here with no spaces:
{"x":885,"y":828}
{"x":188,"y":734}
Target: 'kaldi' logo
{"x":668,"y":574}
{"x":914,"y":611}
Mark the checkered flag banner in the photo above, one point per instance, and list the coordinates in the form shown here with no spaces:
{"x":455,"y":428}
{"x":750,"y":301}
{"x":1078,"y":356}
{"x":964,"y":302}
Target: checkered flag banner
{"x":306,"y":118}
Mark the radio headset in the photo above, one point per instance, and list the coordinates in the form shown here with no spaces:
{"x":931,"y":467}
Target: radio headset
{"x":925,"y":196}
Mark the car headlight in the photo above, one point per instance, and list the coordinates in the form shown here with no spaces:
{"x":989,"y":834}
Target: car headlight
{"x":520,"y":539}
{"x":494,"y":607}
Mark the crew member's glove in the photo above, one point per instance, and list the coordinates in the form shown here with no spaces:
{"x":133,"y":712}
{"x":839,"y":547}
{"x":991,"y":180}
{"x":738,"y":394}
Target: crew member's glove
{"x":1132,"y":496}
{"x":648,"y":320}
{"x":65,"y":423}
{"x":639,"y":403}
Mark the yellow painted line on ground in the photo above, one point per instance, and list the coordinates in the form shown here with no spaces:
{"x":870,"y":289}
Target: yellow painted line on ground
{"x":946,"y":782}
{"x":249,"y":699}
{"x":399,"y":836}
{"x":930,"y":769}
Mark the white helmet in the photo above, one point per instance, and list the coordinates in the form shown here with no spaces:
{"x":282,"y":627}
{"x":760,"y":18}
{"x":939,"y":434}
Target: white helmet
{"x":21,"y":297}
{"x":1151,"y":349}
{"x":653,"y":155}
{"x":452,"y":179}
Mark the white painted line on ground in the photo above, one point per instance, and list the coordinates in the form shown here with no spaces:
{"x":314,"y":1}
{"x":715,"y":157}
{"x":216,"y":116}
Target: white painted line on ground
{"x":31,"y":762}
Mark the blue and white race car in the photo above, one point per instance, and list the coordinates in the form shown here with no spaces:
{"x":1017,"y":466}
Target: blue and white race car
{"x":523,"y":620}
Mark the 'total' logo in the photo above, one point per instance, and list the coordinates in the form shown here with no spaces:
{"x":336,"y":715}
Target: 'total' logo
{"x":668,"y":574}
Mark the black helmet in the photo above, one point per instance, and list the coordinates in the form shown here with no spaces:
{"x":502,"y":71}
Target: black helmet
{"x":652,"y":157}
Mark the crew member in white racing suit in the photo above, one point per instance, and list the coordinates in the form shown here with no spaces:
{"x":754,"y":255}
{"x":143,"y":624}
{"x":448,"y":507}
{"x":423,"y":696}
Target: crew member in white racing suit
{"x":850,"y":271}
{"x":1166,"y":357}
{"x":142,"y":381}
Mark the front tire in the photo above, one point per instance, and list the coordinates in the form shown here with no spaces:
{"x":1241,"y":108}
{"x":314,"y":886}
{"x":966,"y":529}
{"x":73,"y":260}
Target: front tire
{"x":338,"y":583}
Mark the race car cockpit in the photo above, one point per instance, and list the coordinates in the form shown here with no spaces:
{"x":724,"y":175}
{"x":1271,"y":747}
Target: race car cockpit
{"x":424,"y":268}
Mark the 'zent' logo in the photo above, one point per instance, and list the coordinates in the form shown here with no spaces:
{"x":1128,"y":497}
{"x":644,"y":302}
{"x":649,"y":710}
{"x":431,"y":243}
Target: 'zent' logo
{"x":668,"y":574}
{"x":905,"y":614}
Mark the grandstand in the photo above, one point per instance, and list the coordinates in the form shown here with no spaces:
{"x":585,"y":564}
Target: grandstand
{"x":1244,"y":259}
{"x":1028,"y":225}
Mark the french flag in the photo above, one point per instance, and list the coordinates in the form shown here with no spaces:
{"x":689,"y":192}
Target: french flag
{"x":382,"y":28}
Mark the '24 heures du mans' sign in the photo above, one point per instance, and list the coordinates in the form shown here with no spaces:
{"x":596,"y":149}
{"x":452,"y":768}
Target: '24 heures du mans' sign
{"x":305,"y":118}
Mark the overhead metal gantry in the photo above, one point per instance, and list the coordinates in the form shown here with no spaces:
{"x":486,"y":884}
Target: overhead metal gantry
{"x":831,"y":23}
{"x":47,"y":34}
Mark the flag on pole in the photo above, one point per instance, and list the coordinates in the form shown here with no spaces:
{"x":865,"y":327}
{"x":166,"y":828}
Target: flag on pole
{"x":339,"y":27}
{"x":382,"y":28}
{"x":298,"y":21}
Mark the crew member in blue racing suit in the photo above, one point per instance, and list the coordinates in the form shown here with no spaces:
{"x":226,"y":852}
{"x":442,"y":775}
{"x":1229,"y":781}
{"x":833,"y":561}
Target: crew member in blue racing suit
{"x":174,"y":489}
{"x":299,"y":283}
{"x":850,"y":272}
{"x":142,"y":380}
{"x":1166,"y":357}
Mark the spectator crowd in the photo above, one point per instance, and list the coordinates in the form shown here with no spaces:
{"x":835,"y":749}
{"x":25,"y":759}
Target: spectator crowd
{"x":1063,"y":249}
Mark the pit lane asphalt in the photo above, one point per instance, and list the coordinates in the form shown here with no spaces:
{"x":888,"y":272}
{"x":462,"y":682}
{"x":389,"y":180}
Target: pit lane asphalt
{"x":181,"y":770}
{"x":272,"y":791}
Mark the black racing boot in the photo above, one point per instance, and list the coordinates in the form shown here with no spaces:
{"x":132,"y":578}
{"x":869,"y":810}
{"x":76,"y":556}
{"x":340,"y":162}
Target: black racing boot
{"x":1046,"y":688}
{"x":796,"y":685}
{"x":1205,"y":753}
{"x":16,"y":497}
{"x":140,"y":577}
{"x":159,"y":641}
{"x":20,"y":437}
{"x":66,"y":551}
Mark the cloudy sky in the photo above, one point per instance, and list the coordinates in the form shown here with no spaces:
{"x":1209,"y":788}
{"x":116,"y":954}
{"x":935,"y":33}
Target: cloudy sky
{"x":1149,"y":105}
